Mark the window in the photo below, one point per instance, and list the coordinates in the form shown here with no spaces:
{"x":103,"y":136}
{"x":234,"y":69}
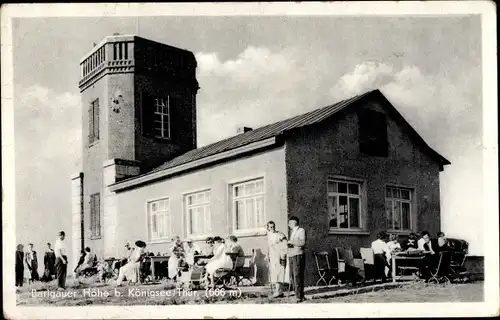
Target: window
{"x":198,"y":213}
{"x":248,"y":204}
{"x":156,"y":113}
{"x":373,"y":133}
{"x":95,"y":215}
{"x":159,"y":219}
{"x":398,"y":203}
{"x":94,"y":121}
{"x":344,"y":204}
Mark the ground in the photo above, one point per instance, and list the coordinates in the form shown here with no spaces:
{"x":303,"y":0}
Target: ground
{"x":90,"y":293}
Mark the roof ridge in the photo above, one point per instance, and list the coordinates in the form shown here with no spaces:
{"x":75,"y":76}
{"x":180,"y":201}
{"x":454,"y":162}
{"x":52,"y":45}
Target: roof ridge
{"x":260,"y":133}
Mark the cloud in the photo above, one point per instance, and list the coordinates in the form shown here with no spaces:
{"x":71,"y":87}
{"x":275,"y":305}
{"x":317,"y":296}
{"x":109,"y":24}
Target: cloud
{"x":412,"y":91}
{"x":47,"y":151}
{"x":257,"y":87}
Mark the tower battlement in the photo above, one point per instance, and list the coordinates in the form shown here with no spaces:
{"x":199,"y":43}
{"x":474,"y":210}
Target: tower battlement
{"x":130,"y":53}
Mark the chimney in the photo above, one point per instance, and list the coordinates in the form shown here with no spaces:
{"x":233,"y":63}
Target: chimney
{"x":241,"y":130}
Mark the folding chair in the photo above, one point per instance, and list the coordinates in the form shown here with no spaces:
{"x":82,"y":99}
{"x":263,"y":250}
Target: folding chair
{"x":323,"y":267}
{"x":441,"y":272}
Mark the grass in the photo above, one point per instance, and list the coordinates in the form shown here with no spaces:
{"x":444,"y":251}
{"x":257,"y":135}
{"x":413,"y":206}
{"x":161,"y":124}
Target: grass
{"x":109,"y":294}
{"x":417,"y":292}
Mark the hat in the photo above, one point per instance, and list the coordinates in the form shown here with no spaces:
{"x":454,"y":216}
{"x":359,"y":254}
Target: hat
{"x":140,"y":244}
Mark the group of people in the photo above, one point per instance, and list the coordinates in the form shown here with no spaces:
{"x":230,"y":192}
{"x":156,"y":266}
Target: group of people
{"x":55,"y":263}
{"x":383,"y":251}
{"x":184,"y":254}
{"x":286,"y":258}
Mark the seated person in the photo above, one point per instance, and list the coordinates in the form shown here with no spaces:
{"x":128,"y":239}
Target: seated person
{"x":220,"y":260}
{"x":393,"y":244}
{"x":131,"y":270}
{"x":88,"y":262}
{"x":191,"y":250}
{"x":80,"y":260}
{"x":411,"y":243}
{"x":235,"y":247}
{"x":210,"y":249}
{"x":381,"y":256}
{"x":424,"y":243}
{"x":442,"y":243}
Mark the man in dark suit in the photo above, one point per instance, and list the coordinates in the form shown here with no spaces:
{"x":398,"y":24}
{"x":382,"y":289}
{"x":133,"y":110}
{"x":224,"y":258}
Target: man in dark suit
{"x":296,"y":257}
{"x":19,"y":265}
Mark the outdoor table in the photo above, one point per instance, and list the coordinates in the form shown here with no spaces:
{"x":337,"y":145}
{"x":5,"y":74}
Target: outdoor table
{"x":154,"y":259}
{"x":403,"y":256}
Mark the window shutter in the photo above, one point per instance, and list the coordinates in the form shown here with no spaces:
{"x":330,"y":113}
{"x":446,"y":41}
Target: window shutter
{"x":98,"y":214}
{"x":96,"y":119}
{"x":147,"y":115}
{"x":91,"y":124}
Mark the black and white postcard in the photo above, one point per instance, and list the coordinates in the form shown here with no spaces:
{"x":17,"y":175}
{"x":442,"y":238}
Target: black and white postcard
{"x":249,"y":160}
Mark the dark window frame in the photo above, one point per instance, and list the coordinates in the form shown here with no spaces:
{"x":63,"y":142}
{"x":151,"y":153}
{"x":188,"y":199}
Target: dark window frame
{"x":373,"y":137}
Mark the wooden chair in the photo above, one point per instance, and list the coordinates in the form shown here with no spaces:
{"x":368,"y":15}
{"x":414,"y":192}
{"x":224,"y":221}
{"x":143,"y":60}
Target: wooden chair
{"x":325,"y":271}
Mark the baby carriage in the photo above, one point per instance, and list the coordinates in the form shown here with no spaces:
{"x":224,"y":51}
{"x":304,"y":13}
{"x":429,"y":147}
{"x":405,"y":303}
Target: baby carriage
{"x":191,"y":278}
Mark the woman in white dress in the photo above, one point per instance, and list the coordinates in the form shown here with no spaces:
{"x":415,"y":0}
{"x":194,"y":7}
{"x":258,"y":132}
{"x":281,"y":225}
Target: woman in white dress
{"x":177,"y":252}
{"x":218,"y":261}
{"x":130,"y":271}
{"x":273,"y":239}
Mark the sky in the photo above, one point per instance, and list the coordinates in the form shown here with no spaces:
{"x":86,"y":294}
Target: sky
{"x":253,"y":71}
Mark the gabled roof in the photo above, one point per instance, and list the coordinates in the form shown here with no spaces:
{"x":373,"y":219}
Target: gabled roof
{"x":272,"y":131}
{"x":258,"y":134}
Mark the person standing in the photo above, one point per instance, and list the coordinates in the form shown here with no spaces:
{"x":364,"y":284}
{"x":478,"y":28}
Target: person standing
{"x":177,"y":253}
{"x":32,"y":263}
{"x":49,"y":262}
{"x":273,"y":240}
{"x":296,"y":257}
{"x":19,"y":265}
{"x":381,"y":256}
{"x":60,"y":251}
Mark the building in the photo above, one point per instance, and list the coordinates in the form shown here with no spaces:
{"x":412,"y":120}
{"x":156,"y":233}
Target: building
{"x":347,"y":170}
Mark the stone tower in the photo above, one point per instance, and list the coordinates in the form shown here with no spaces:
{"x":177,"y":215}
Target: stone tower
{"x":139,"y":110}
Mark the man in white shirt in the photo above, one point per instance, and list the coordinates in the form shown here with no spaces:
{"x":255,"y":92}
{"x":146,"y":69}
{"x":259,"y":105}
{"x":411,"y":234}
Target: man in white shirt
{"x":381,"y":255}
{"x":424,"y":243}
{"x":296,"y":257}
{"x":60,"y":251}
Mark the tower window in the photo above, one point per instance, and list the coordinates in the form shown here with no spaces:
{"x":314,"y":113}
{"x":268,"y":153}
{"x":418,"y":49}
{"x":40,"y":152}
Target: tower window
{"x":162,"y":117}
{"x":157,"y":115}
{"x":94,"y":121}
{"x":95,"y":215}
{"x":373,"y":133}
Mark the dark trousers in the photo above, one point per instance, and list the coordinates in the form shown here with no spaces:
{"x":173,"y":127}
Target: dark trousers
{"x":380,"y":262}
{"x":19,"y":277}
{"x":297,"y":267}
{"x":62,"y":270}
